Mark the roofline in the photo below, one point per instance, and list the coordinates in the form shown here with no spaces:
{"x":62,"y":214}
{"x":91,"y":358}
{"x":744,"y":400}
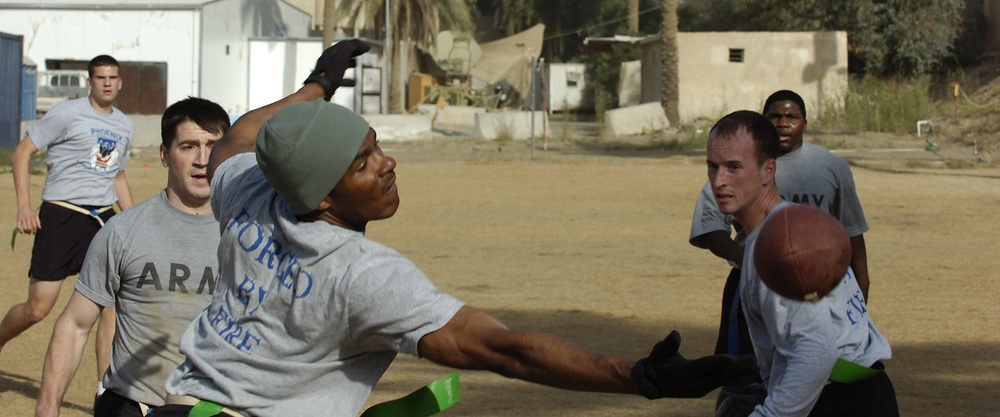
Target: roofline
{"x":105,"y":6}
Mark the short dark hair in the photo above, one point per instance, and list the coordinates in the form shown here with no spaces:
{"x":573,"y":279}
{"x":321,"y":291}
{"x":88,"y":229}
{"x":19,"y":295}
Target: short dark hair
{"x":101,"y":61}
{"x":206,"y":114}
{"x":786,"y":95}
{"x":763,"y":132}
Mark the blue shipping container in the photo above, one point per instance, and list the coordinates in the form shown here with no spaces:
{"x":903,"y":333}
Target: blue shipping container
{"x":11,"y":47}
{"x":29,"y":88}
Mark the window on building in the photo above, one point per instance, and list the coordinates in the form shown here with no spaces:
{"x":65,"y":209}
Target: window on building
{"x":573,"y":78}
{"x":735,"y":55}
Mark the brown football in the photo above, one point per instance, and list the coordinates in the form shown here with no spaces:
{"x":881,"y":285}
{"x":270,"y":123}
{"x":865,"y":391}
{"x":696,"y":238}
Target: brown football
{"x":802,"y":252}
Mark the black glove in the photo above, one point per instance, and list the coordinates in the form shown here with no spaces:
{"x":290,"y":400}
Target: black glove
{"x":741,"y":401}
{"x":330,"y":67}
{"x":665,"y":373}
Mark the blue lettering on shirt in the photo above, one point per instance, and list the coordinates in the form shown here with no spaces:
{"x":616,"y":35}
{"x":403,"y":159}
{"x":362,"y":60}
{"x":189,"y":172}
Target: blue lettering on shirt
{"x":106,"y":132}
{"x":856,"y":308}
{"x":245,"y":293}
{"x":255,"y":240}
{"x":234,"y":333}
{"x":289,"y":278}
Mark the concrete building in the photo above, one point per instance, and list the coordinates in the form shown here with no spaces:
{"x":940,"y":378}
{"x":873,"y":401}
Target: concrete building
{"x":721,"y":72}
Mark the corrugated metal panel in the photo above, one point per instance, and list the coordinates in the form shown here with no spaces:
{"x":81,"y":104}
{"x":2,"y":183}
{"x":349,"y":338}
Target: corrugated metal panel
{"x":145,"y":90}
{"x":29,"y":91}
{"x":10,"y":98}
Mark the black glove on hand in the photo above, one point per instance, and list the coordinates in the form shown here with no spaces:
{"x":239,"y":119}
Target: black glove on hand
{"x":665,"y":373}
{"x":741,"y":401}
{"x":331,"y":65}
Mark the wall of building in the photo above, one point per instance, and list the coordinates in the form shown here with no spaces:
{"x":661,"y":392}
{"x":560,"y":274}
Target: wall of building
{"x":203,"y":45}
{"x":229,"y":29}
{"x":297,"y":58}
{"x":566,"y":85}
{"x":813,"y":64}
{"x":152,"y":36}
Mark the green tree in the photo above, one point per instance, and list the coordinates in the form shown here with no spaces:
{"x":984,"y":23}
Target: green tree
{"x":415,"y":24}
{"x":885,"y":37}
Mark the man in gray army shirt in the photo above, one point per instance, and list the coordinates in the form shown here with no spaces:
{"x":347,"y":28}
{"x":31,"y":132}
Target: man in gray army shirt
{"x":157,"y":263}
{"x":87,"y":142}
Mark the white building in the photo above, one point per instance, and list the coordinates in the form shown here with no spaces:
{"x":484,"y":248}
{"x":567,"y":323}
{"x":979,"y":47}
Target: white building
{"x":239,"y":53}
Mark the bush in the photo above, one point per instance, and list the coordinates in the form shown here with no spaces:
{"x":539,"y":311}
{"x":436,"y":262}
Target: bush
{"x":873,"y":104}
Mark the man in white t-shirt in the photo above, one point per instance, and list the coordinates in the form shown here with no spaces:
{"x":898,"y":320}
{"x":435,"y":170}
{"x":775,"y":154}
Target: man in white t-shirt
{"x":816,"y":358}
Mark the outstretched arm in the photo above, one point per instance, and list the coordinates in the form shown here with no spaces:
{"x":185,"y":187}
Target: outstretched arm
{"x":69,"y":336}
{"x":473,"y":339}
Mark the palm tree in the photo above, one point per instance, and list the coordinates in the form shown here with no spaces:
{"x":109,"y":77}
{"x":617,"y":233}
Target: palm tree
{"x":633,"y":17}
{"x":416,"y":23}
{"x":671,"y":78}
{"x":329,"y":21}
{"x":263,"y":17}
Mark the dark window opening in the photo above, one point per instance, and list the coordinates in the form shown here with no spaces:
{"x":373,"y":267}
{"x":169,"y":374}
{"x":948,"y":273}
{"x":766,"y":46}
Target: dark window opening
{"x":735,"y":55}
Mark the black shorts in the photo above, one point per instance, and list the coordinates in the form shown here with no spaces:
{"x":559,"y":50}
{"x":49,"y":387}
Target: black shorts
{"x":728,"y":326}
{"x":62,"y":242}
{"x":110,"y":404}
{"x":172,"y":410}
{"x":874,"y":397}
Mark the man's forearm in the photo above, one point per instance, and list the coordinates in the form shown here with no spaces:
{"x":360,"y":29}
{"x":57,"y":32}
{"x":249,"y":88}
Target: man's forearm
{"x":473,"y":339}
{"x":21,"y":166}
{"x":61,"y":363}
{"x":721,"y":244}
{"x":547,"y":360}
{"x":859,"y":263}
{"x":123,"y":191}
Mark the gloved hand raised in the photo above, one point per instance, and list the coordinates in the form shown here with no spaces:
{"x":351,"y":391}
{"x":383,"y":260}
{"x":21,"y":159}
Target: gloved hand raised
{"x":330,"y":66}
{"x":665,"y":373}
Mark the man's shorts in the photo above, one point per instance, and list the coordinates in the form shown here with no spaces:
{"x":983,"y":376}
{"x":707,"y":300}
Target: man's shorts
{"x":172,"y":410}
{"x":62,"y":242}
{"x":874,"y":397}
{"x":112,"y":404}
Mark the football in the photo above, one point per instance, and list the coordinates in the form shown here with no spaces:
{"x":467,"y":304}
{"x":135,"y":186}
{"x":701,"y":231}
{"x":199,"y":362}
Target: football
{"x":802,"y":252}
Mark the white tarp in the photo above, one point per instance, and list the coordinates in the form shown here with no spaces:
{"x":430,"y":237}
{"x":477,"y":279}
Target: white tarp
{"x":509,"y":59}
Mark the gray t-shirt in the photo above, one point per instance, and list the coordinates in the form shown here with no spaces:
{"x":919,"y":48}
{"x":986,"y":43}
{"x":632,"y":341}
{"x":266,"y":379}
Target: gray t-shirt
{"x":308,"y":316}
{"x":809,"y":175}
{"x":156,"y":265}
{"x":86,"y":149}
{"x":797,"y":342}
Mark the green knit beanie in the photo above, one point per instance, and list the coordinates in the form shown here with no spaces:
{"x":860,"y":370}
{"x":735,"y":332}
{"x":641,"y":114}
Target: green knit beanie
{"x":306,"y":147}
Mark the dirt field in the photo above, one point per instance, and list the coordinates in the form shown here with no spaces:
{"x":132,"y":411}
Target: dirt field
{"x":588,"y":240}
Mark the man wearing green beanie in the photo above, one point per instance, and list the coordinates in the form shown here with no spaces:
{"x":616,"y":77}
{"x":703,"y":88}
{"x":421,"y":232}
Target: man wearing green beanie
{"x":311,"y":313}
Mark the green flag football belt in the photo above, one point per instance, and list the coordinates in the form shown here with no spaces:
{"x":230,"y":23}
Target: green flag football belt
{"x":431,"y":399}
{"x":847,"y":372}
